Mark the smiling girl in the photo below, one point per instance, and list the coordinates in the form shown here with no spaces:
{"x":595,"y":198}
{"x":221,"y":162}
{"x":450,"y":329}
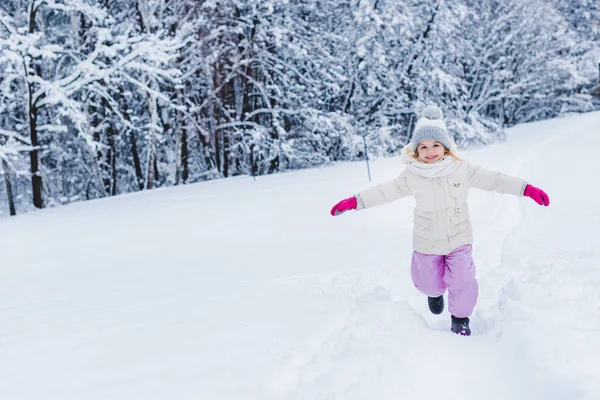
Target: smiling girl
{"x":442,"y":236}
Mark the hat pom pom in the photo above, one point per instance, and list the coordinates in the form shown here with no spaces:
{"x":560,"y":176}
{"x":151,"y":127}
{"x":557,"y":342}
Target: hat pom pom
{"x":432,"y":112}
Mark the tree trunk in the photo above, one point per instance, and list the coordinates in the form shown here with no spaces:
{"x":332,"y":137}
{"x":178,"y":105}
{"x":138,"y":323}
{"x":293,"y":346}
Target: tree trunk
{"x":178,"y":149}
{"x":136,"y":161}
{"x":150,"y":167}
{"x":184,"y":157}
{"x":226,"y":154}
{"x":181,"y":163}
{"x":9,"y":192}
{"x":140,"y":16}
{"x":156,"y":174}
{"x":31,"y":69}
{"x":36,"y":179}
{"x":214,"y":121}
{"x":100,"y":164}
{"x":111,"y":185}
{"x":134,"y":151}
{"x":410,"y":126}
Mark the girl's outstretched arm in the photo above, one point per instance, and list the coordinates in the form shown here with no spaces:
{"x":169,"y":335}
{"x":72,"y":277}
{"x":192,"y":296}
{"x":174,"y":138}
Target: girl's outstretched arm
{"x":384,"y":193}
{"x":381,"y":194}
{"x":494,"y":181}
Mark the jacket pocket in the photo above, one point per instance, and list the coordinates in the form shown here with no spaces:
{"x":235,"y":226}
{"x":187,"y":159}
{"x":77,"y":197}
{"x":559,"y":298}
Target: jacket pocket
{"x":423,"y":224}
{"x":459,"y":218}
{"x":459,"y":225}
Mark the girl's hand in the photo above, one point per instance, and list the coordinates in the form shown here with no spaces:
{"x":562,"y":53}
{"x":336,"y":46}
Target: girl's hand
{"x":343,"y":206}
{"x":538,"y":195}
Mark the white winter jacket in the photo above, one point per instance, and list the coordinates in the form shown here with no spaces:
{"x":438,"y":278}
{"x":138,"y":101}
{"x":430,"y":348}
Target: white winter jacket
{"x":441,"y":216}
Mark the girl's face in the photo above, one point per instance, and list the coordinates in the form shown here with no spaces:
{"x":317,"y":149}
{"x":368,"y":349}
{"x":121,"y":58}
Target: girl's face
{"x":430,"y":151}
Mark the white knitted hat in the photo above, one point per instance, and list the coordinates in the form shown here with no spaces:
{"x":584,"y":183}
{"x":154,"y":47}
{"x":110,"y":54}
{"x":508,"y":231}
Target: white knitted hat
{"x":431,"y":126}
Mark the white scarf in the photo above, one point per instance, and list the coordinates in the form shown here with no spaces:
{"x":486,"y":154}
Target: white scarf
{"x":442,"y":168}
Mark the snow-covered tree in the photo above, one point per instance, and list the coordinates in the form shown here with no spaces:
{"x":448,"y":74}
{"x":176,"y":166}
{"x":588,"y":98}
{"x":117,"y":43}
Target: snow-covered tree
{"x":503,"y":62}
{"x":101,"y":97}
{"x":63,"y":59}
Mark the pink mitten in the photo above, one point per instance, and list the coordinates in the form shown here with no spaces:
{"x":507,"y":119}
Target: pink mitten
{"x":344,"y":205}
{"x":538,"y":195}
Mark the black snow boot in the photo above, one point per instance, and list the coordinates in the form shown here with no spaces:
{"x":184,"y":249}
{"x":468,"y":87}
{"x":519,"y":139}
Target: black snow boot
{"x":436,"y":304}
{"x":461,"y":326}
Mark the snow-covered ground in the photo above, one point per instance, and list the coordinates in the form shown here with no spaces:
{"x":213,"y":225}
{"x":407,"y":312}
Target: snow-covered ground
{"x":242,"y":289}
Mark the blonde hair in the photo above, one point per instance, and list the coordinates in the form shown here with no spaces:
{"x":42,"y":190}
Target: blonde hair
{"x":415,"y":155}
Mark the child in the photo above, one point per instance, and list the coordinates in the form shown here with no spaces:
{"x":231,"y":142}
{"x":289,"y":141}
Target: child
{"x":442,"y":235}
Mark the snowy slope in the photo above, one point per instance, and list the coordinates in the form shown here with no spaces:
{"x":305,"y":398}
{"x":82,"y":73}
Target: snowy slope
{"x":242,"y":289}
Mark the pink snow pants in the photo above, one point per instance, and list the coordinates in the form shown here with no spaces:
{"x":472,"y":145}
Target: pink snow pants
{"x":432,"y":274}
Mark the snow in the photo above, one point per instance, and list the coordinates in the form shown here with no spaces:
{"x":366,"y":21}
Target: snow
{"x":248,"y":289}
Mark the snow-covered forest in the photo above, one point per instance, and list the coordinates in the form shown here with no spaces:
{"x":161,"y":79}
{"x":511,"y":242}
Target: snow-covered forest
{"x":102,"y":97}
